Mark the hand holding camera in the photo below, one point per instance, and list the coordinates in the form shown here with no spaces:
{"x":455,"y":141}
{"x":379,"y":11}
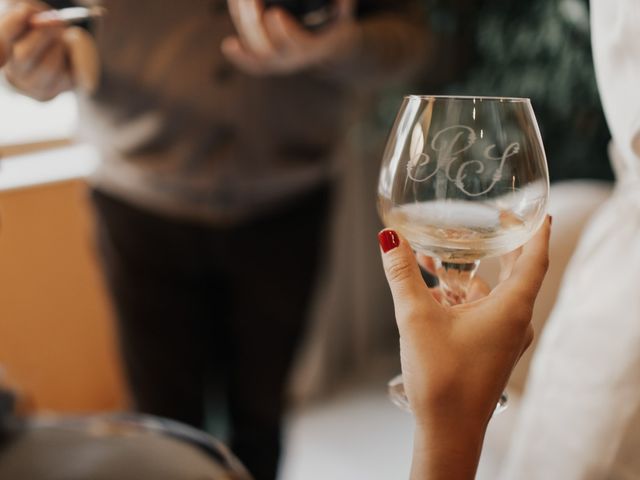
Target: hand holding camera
{"x":277,"y":37}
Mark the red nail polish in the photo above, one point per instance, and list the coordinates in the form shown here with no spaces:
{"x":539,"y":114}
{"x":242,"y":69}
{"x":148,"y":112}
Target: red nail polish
{"x":388,"y":240}
{"x":550,"y":219}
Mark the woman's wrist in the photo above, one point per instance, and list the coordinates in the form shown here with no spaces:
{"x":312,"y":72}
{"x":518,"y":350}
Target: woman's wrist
{"x":447,"y":448}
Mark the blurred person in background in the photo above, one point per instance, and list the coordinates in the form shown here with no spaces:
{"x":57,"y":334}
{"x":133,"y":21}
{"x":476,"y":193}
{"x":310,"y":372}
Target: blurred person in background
{"x":102,"y":447}
{"x":141,"y":447}
{"x":217,"y":123}
{"x":593,"y":414}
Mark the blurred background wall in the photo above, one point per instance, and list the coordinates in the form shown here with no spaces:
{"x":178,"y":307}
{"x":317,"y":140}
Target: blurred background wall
{"x":56,"y":334}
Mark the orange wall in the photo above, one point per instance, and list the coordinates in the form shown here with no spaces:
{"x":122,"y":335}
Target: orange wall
{"x":56,"y":336}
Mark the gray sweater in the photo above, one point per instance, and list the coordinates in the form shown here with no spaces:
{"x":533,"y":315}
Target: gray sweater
{"x":184,"y":133}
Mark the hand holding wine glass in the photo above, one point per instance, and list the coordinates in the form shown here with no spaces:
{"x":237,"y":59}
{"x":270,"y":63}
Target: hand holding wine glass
{"x":463,"y":178}
{"x":457,"y":359}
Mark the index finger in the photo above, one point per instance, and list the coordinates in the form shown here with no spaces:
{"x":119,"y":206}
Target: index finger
{"x":13,"y":24}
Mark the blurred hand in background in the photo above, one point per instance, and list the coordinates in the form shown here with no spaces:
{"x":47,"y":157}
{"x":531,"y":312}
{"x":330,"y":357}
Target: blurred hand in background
{"x":46,"y":61}
{"x":13,"y":23}
{"x":272,"y":41}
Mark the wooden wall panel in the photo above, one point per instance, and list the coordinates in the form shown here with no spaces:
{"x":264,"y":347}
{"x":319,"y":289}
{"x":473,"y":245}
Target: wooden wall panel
{"x":56,"y":332}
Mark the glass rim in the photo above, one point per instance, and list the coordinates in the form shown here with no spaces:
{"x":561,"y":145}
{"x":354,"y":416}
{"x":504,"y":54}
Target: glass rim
{"x":469,"y":97}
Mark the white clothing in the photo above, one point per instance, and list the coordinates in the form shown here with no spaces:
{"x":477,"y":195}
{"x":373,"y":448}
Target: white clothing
{"x":580,"y":415}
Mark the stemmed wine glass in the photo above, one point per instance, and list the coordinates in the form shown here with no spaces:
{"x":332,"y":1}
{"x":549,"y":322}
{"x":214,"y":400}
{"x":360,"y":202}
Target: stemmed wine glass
{"x":463,"y":178}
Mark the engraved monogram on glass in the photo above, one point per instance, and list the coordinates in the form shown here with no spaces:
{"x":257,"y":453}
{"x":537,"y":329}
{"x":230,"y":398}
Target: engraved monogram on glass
{"x":447,"y":145}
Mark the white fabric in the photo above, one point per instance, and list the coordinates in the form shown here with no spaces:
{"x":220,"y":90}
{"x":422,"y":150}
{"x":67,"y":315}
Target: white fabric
{"x":580,"y":416}
{"x":572,"y":204}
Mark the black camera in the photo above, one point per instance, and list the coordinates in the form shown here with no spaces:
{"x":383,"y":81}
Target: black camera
{"x":311,"y":13}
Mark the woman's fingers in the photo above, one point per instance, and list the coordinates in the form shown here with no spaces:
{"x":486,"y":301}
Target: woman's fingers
{"x":42,"y":74}
{"x":247,"y":18}
{"x":437,"y":295}
{"x":507,"y":263}
{"x":408,"y":289}
{"x":29,"y":51}
{"x":528,"y":339}
{"x":478,"y":289}
{"x":285,"y":32}
{"x":528,"y":271}
{"x":13,"y":23}
{"x":427,"y":263}
{"x":45,"y":74}
{"x":246,"y":61}
{"x":273,"y":41}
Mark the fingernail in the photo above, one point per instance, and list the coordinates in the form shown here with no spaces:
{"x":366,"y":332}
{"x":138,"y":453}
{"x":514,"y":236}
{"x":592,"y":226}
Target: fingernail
{"x":550,"y":219}
{"x":388,"y":240}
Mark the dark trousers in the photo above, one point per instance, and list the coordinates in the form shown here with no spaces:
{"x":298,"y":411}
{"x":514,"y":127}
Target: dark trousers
{"x":221,"y":310}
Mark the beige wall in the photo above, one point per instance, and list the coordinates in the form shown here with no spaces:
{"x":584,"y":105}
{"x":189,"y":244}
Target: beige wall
{"x":56,"y":336}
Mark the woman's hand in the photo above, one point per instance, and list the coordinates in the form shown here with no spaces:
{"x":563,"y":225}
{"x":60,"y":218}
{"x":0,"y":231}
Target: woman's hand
{"x":456,"y":360}
{"x":46,"y":61}
{"x":272,"y":41}
{"x":13,"y":23}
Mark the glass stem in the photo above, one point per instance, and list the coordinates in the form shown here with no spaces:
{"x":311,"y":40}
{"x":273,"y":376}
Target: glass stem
{"x":455,"y":280}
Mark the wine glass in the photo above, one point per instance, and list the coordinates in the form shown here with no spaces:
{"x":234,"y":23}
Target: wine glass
{"x":462,"y":179}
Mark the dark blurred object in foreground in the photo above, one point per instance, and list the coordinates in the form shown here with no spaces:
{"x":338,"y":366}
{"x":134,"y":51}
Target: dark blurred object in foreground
{"x":7,"y":407}
{"x":115,"y":447}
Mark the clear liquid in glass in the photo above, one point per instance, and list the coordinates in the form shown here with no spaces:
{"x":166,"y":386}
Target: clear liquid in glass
{"x":459,"y":231}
